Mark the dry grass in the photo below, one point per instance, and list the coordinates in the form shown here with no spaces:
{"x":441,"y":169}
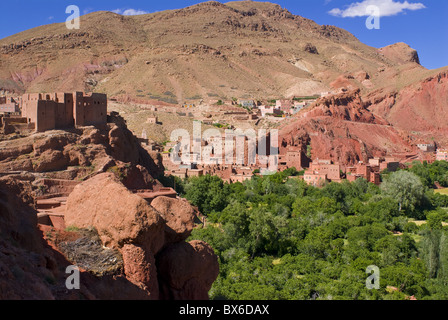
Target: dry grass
{"x":442,"y":191}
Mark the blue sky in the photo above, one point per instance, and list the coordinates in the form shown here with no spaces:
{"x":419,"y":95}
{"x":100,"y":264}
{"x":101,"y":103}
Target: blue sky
{"x":419,"y":23}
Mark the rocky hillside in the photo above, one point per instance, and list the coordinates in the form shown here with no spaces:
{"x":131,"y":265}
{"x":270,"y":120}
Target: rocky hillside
{"x":420,"y":108}
{"x":343,"y":129}
{"x":209,"y":50}
{"x":77,"y":154}
{"x":125,"y":247}
{"x":137,"y":252}
{"x":238,"y":49}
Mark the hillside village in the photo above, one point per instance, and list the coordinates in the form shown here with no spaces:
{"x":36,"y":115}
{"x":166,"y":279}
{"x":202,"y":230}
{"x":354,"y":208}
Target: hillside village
{"x":42,"y":112}
{"x":228,"y":151}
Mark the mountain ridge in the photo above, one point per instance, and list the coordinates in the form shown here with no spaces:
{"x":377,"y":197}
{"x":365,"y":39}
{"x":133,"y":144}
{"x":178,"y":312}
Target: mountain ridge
{"x":236,"y":49}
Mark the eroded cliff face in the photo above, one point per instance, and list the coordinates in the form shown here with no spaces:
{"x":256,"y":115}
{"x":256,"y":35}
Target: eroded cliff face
{"x":120,"y":242}
{"x":343,"y":129}
{"x":78,"y":153}
{"x":124,"y":247}
{"x":24,"y":263}
{"x":421,"y":107}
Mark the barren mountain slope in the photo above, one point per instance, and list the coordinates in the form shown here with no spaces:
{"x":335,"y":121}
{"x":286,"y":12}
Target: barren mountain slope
{"x":210,"y":50}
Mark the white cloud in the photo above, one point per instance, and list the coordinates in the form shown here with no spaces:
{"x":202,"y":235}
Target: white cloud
{"x":129,"y":12}
{"x":386,"y":8}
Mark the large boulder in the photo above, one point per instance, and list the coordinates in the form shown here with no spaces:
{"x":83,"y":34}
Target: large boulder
{"x":187,"y":271}
{"x":140,"y":269}
{"x":23,"y":264}
{"x":150,"y":238}
{"x":179,"y":216}
{"x":119,"y":216}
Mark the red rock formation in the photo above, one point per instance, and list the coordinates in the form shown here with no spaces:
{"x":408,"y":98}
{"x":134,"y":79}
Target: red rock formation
{"x":420,"y":107}
{"x":179,"y":216}
{"x":343,"y":129}
{"x":119,"y":216}
{"x":187,"y":271}
{"x":32,"y":260}
{"x":140,"y":269}
{"x":143,"y":233}
{"x":23,"y":262}
{"x":400,"y":53}
{"x":347,"y":106}
{"x":87,"y":151}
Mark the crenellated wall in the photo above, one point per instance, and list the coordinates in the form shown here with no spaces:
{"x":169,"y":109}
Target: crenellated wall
{"x":64,"y":110}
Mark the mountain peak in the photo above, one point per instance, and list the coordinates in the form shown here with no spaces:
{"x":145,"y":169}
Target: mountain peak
{"x":211,"y":49}
{"x":400,"y":53}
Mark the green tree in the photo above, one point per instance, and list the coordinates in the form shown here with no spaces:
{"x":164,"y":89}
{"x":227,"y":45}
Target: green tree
{"x":406,"y":188}
{"x":208,"y":193}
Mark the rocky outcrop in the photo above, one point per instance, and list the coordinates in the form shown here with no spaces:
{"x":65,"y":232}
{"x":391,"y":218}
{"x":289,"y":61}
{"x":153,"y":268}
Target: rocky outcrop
{"x":145,"y":235}
{"x":179,"y":216}
{"x":187,"y":271}
{"x":417,"y":108}
{"x":17,"y":216}
{"x":343,"y":129}
{"x":137,"y":263}
{"x":119,"y":216}
{"x":24,"y":266}
{"x":400,"y":53}
{"x":310,"y":48}
{"x":81,"y":153}
{"x":114,"y":235}
{"x":348,"y":106}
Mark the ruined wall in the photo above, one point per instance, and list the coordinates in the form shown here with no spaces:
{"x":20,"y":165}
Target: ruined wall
{"x":90,"y":109}
{"x":64,"y":110}
{"x":44,"y":114}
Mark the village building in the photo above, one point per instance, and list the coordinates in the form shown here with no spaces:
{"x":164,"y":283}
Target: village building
{"x":332,"y":171}
{"x":442,"y":155}
{"x":234,"y":178}
{"x":426,"y":147}
{"x":389,"y":164}
{"x":8,"y":106}
{"x":284,"y":106}
{"x":269,"y":110}
{"x":247,"y":103}
{"x":298,"y":106}
{"x":207,"y":121}
{"x":315,"y":178}
{"x":152,"y":120}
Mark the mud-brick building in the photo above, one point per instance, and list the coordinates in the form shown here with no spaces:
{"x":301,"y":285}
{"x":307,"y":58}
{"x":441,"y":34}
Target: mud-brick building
{"x":8,"y":105}
{"x":49,"y":111}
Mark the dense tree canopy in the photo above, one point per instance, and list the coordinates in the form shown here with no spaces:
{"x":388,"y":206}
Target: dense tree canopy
{"x":278,"y":238}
